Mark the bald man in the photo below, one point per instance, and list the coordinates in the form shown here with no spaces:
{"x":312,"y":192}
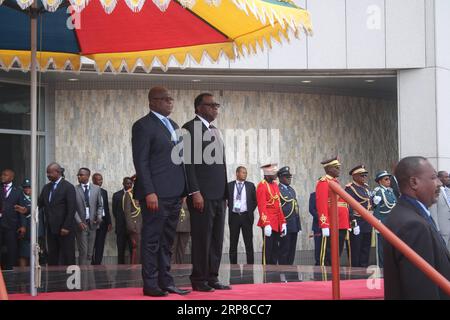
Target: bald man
{"x":58,"y":200}
{"x":411,"y":221}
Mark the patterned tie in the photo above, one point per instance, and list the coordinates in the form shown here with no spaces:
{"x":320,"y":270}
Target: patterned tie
{"x":169,"y":127}
{"x":5,"y":190}
{"x":86,"y":195}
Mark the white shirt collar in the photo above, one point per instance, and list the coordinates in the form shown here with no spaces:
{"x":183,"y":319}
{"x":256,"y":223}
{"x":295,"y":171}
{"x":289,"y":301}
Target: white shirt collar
{"x":424,"y":208}
{"x":160,"y":116}
{"x":58,"y":181}
{"x":87,"y":184}
{"x":9,"y":185}
{"x":205,"y":122}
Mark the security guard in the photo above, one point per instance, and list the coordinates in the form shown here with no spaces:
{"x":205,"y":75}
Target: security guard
{"x":323,"y":201}
{"x":271,"y":217}
{"x":360,"y":241}
{"x":289,"y":205}
{"x":384,"y":200}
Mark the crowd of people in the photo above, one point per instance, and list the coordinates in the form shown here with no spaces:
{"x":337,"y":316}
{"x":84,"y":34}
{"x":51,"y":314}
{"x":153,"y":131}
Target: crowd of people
{"x":167,"y":201}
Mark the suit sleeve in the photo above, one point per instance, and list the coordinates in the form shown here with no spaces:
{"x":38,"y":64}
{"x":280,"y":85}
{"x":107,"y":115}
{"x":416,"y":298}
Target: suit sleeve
{"x":115,"y":205}
{"x":99,"y":205}
{"x":416,"y":284}
{"x":106,"y":208}
{"x":71,"y":203}
{"x":141,"y":147}
{"x":322,"y":204}
{"x":188,"y":154}
{"x":41,"y":202}
{"x":261,"y":200}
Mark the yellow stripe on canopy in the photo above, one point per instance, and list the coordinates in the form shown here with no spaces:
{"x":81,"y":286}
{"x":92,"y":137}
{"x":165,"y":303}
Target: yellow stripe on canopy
{"x":45,"y":59}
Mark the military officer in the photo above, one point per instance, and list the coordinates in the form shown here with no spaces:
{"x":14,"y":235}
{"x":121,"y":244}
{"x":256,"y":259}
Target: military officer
{"x":323,"y":200}
{"x":384,"y":200}
{"x":271,"y":217}
{"x":360,"y":241}
{"x":290,"y":209}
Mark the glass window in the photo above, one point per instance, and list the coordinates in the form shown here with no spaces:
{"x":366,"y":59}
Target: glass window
{"x":15,"y":107}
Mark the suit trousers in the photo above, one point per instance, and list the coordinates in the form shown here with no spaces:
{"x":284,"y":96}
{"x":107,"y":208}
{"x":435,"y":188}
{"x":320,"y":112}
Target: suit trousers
{"x":123,"y":243}
{"x":207,"y":230}
{"x":158,"y":233}
{"x":236,"y":222}
{"x":360,"y":249}
{"x":288,"y":246}
{"x":99,"y":245}
{"x":8,"y":237}
{"x":85,"y":243}
{"x":61,"y":249}
{"x":271,"y":247}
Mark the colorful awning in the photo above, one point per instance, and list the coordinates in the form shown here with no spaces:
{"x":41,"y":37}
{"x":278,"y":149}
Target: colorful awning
{"x":125,"y":39}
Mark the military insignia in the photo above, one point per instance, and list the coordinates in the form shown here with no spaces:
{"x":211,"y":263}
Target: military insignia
{"x":323,"y":218}
{"x":323,"y":178}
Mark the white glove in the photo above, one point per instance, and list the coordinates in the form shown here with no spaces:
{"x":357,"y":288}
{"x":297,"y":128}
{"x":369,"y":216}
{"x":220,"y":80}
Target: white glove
{"x":326,"y":232}
{"x":356,"y":230}
{"x":268,"y":231}
{"x":376,"y":200}
{"x":283,"y":229}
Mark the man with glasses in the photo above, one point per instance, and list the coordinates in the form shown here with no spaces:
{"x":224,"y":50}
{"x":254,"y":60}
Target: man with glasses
{"x":207,"y":180}
{"x":360,"y":239}
{"x":159,"y":186}
{"x":384,"y":200}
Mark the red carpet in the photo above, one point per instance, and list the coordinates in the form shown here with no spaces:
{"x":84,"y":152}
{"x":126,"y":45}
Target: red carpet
{"x":311,"y":290}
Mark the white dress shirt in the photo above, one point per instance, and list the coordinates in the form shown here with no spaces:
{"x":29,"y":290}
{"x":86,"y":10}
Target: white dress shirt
{"x":8,"y":189}
{"x":243,"y":196}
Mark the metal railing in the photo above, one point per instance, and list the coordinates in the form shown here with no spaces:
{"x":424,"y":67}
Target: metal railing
{"x":388,"y":235}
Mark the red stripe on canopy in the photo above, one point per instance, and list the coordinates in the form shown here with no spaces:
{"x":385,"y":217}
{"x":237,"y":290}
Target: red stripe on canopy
{"x":149,"y":29}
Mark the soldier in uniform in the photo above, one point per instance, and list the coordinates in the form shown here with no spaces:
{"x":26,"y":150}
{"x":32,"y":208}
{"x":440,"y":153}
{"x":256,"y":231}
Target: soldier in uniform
{"x":289,"y":206}
{"x":332,"y":169}
{"x":384,"y":200}
{"x":360,"y":241}
{"x":271,"y":217}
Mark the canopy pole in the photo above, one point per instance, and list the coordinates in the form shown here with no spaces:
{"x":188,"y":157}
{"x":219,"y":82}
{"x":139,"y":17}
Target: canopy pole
{"x":33,"y":95}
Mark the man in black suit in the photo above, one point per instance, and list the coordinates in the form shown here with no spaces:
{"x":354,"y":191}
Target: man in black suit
{"x":208,"y":189}
{"x":159,"y":187}
{"x":58,"y":200}
{"x":12,"y":223}
{"x":122,"y":239}
{"x":105,"y":225}
{"x":411,"y":221}
{"x":241,"y":205}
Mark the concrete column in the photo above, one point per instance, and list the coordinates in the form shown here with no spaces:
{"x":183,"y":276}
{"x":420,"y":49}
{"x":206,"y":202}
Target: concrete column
{"x":424,"y":94}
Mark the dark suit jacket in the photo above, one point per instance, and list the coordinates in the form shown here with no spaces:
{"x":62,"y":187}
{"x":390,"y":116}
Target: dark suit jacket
{"x":12,"y":219}
{"x":107,"y":218}
{"x":402,"y":280}
{"x":313,"y":211}
{"x":118,"y":213}
{"x":60,"y":211}
{"x":209,"y":179}
{"x":250,"y":192}
{"x":152,"y":152}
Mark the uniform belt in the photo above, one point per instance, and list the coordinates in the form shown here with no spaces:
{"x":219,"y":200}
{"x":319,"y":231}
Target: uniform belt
{"x":340,"y":204}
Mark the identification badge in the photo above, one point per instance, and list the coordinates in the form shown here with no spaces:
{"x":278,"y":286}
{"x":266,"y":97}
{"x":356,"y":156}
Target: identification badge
{"x":237,"y":205}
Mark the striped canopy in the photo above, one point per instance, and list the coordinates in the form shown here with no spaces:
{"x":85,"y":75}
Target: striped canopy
{"x":124,"y":34}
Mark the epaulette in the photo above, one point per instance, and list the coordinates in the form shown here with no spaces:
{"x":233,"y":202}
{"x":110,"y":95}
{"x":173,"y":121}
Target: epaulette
{"x":348,"y":184}
{"x":324,"y":178}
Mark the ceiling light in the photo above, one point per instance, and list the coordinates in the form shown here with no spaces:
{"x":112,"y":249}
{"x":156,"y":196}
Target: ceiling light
{"x":72,"y":79}
{"x":306,"y":81}
{"x":369,"y":80}
{"x":196,"y":80}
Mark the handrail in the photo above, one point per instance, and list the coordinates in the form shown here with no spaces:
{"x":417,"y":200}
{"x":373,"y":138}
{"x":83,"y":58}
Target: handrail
{"x":395,"y":241}
{"x":3,"y":292}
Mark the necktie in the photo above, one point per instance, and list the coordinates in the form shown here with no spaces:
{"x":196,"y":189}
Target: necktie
{"x":170,"y":128}
{"x":51,"y":191}
{"x":86,"y":196}
{"x":5,"y":190}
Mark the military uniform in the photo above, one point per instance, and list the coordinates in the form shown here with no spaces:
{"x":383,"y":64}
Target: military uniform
{"x":270,"y":214}
{"x":289,"y":205}
{"x":387,"y":200}
{"x":360,"y":243}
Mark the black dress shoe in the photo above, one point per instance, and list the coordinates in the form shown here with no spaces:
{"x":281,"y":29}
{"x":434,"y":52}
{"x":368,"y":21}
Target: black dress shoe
{"x":219,"y":286}
{"x":155,"y":292}
{"x":173,"y":289}
{"x":202,"y":287}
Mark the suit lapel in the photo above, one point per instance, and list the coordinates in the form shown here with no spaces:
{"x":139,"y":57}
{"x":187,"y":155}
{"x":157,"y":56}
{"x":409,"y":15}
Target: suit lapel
{"x":159,"y":123}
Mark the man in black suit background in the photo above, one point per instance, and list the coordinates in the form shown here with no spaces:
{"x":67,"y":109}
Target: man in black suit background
{"x":411,"y":221}
{"x":58,"y":200}
{"x":122,"y":239}
{"x":12,"y":223}
{"x":241,"y":205}
{"x":204,"y":156}
{"x":159,"y":187}
{"x":105,"y":225}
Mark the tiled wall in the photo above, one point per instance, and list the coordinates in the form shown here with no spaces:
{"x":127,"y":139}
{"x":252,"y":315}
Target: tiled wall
{"x":93,"y":129}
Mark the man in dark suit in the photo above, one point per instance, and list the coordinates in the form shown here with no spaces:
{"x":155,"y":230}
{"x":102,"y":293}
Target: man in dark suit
{"x":411,"y":221}
{"x":105,"y":225}
{"x":12,"y":223}
{"x":58,"y":200}
{"x":241,"y":205}
{"x":159,"y":187}
{"x":317,"y":232}
{"x":208,"y":189}
{"x":122,"y":239}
